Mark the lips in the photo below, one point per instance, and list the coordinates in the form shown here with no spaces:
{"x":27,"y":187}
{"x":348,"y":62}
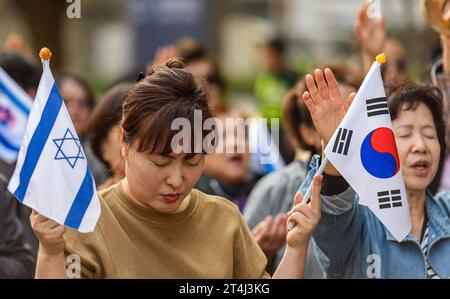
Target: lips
{"x":236,"y":158}
{"x":171,"y":197}
{"x":420,"y":167}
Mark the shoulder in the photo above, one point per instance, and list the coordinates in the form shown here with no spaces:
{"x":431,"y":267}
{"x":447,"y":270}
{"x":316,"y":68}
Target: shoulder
{"x":289,"y":176}
{"x":214,"y":202}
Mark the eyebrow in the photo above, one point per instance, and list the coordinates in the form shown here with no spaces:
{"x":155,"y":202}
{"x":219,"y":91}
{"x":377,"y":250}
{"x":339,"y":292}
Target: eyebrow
{"x":411,"y":126}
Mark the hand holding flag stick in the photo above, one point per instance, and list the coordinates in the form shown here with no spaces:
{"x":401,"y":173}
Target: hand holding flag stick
{"x":304,"y":216}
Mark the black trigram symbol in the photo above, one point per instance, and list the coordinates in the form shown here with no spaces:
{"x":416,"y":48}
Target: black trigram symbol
{"x":342,"y":142}
{"x":391,"y":200}
{"x":377,"y":106}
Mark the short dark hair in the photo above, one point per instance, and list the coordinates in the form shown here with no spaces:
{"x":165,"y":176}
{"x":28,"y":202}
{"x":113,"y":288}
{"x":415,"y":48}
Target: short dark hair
{"x":166,"y":93}
{"x":25,"y":72}
{"x":191,"y":51}
{"x":277,"y":44}
{"x":296,"y":113}
{"x":105,"y":116}
{"x":409,"y":96}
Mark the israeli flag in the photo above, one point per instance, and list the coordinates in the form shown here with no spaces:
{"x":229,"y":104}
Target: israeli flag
{"x":52,"y":175}
{"x":15,"y":105}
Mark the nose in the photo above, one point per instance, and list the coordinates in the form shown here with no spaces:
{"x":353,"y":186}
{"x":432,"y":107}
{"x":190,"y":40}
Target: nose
{"x":420,"y":145}
{"x":175,"y":177}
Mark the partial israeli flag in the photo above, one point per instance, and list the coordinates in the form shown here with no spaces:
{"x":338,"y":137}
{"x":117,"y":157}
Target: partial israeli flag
{"x":265,"y":155}
{"x":15,"y":105}
{"x":52,"y":175}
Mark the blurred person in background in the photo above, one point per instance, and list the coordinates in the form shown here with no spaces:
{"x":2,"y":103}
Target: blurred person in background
{"x":103,"y":132}
{"x":204,"y":66}
{"x":80,"y":101}
{"x":17,"y":257}
{"x":272,"y":196}
{"x":371,"y":36}
{"x":228,"y":174}
{"x":270,"y":86}
{"x":26,"y":72}
{"x":198,"y":62}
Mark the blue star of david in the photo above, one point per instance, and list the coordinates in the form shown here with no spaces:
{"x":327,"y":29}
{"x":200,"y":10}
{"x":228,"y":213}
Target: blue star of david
{"x":72,"y":149}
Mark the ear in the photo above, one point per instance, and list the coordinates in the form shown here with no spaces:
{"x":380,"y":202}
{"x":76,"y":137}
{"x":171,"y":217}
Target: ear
{"x":123,"y":145}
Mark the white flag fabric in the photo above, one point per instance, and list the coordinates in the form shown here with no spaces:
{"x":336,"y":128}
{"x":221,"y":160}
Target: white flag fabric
{"x":265,"y":155}
{"x":15,"y":105}
{"x":52,"y":175}
{"x":364,"y":151}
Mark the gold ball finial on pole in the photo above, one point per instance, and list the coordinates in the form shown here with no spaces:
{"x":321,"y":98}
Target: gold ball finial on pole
{"x":381,"y":58}
{"x":45,"y":53}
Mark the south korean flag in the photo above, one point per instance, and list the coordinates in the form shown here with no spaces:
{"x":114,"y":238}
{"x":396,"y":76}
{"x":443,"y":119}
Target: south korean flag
{"x":364,"y":151}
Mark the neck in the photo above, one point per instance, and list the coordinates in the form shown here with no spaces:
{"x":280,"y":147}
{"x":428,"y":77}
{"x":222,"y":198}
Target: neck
{"x":416,"y":202}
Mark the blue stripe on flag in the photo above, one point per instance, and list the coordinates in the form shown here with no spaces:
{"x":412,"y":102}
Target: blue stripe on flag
{"x":38,"y":141}
{"x":14,"y":99}
{"x":4,"y":141}
{"x":81,"y":201}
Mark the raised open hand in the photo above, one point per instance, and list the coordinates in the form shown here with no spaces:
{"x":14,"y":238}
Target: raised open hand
{"x":370,"y":32}
{"x":325,"y":102}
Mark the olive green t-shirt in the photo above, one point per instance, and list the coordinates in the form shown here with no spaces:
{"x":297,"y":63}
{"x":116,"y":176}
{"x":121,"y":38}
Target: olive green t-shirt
{"x":209,"y":239}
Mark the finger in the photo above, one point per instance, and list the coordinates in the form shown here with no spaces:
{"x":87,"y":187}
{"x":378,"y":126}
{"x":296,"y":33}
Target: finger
{"x":47,"y":225}
{"x":322,"y":85}
{"x":298,"y":219}
{"x":316,"y":201}
{"x":304,"y":209}
{"x":273,"y":227}
{"x":297,"y":200}
{"x":259,"y":227}
{"x":314,"y":93}
{"x":332,"y":84}
{"x":349,"y":101}
{"x":310,"y":104}
{"x":281,"y":225}
{"x":58,"y":231}
{"x":38,"y":218}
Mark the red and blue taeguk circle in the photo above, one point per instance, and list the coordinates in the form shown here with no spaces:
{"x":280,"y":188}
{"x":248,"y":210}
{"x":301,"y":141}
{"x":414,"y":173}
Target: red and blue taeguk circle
{"x":379,"y":153}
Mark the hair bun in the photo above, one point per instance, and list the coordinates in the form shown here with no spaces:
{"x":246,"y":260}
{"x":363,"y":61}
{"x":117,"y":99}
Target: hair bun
{"x":175,"y":63}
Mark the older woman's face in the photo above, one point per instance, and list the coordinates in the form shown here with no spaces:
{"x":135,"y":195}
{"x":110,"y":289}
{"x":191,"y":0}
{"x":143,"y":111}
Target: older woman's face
{"x":161,"y":182}
{"x":418,"y":147}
